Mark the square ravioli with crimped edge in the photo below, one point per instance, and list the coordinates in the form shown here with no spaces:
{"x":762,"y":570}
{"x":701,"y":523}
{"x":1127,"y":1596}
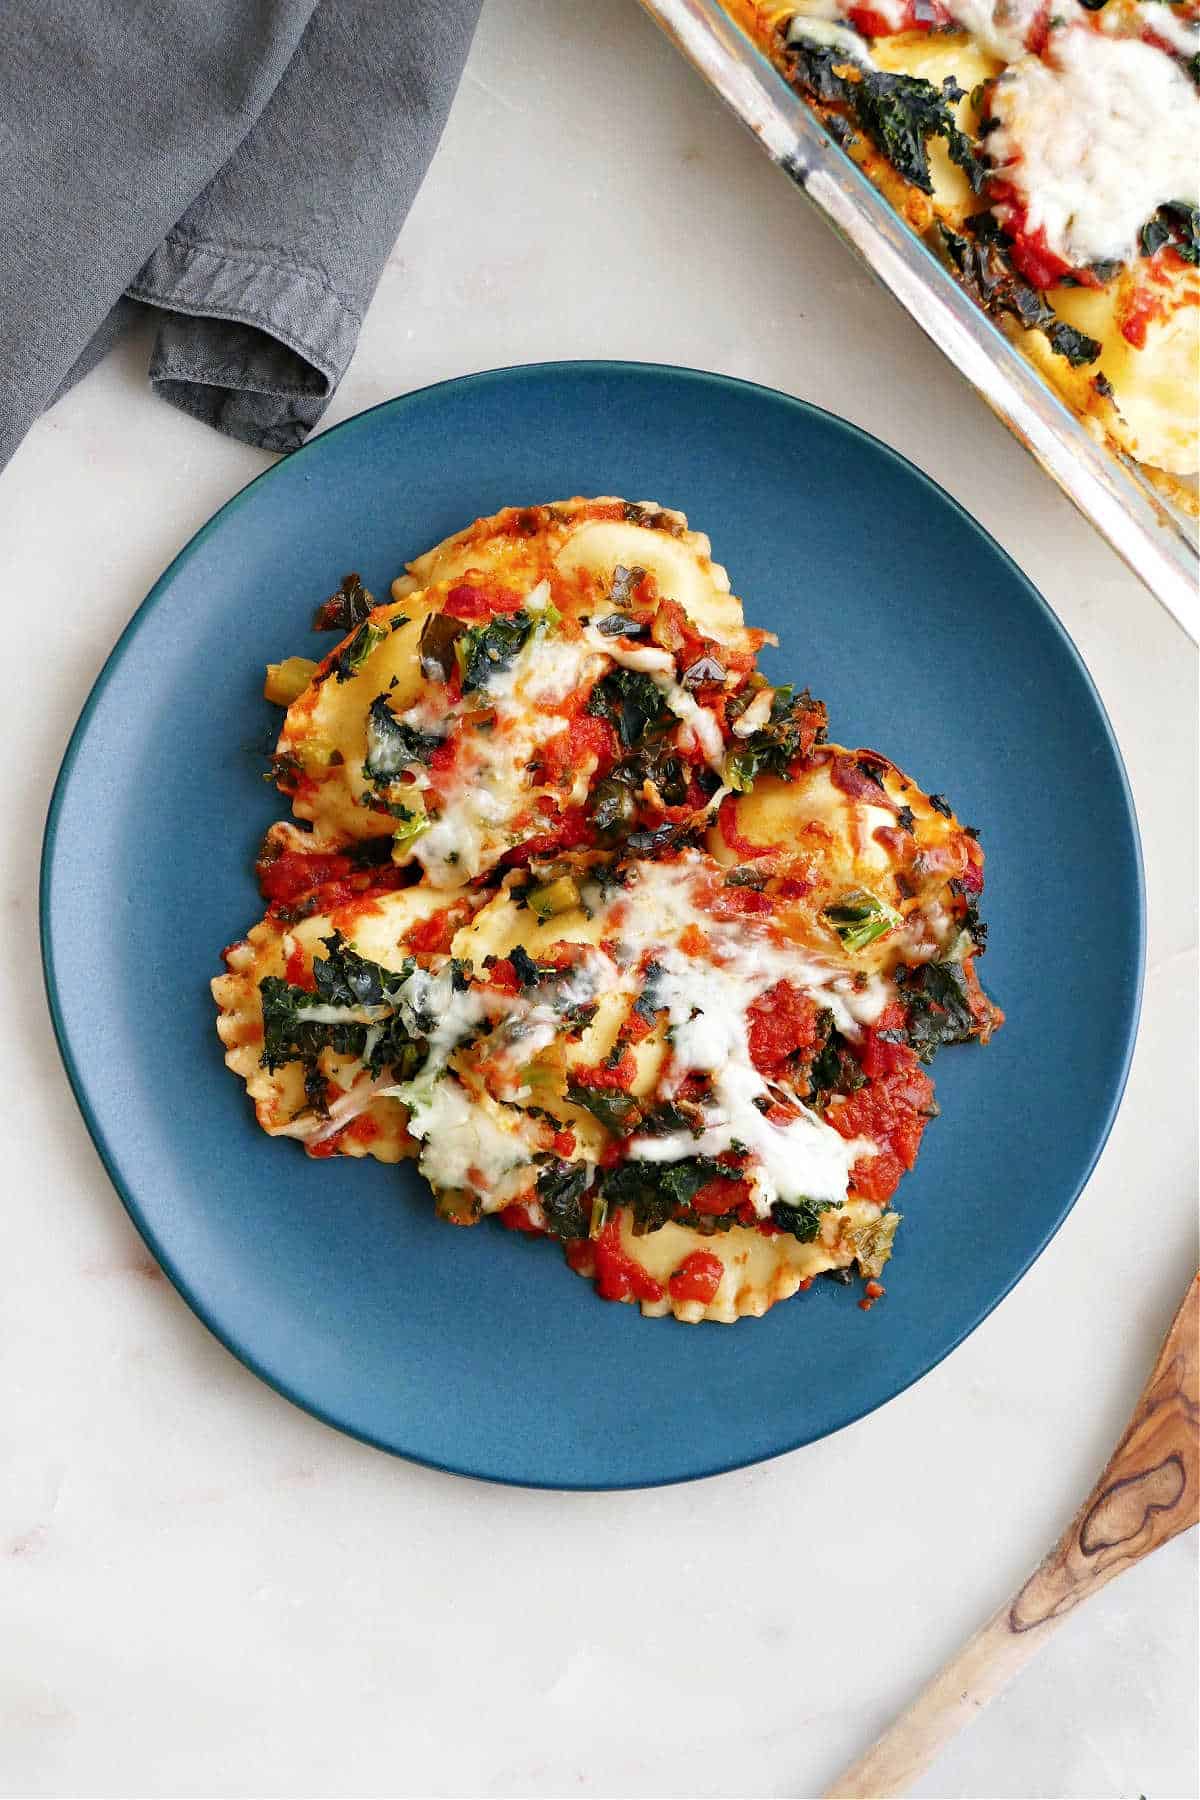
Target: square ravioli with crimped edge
{"x":595,"y":922}
{"x":1050,"y":154}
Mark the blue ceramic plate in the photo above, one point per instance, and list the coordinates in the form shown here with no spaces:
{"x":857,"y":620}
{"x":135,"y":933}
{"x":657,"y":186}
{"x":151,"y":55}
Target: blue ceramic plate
{"x":479,"y":1351}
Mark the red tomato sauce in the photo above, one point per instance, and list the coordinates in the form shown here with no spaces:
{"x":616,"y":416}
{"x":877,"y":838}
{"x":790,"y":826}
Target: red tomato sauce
{"x":433,"y":936}
{"x":616,"y":1275}
{"x":600,"y":1075}
{"x":781,"y":1022}
{"x":893,"y":1111}
{"x":697,"y":1278}
{"x":287,"y":877}
{"x":718,"y":1196}
{"x":471,"y":602}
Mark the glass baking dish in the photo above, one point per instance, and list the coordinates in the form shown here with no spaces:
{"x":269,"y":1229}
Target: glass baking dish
{"x":1156,"y":539}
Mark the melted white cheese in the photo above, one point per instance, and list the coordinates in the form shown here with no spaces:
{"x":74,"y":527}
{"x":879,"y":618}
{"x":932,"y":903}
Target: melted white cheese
{"x":491,"y":782}
{"x":805,"y":28}
{"x":463,"y":1145}
{"x":1001,"y":27}
{"x":800,"y":1158}
{"x":1095,"y":139}
{"x":1171,"y":24}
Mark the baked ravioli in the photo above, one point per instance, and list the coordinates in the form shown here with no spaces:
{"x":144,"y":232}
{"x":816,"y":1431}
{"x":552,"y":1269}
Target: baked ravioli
{"x":1051,"y":155}
{"x":599,"y":926}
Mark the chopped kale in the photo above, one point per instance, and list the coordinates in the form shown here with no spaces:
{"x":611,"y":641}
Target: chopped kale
{"x":939,"y":1006}
{"x":801,"y":1217}
{"x":350,"y":659}
{"x":649,"y":1003}
{"x":629,"y":700}
{"x":1176,"y":223}
{"x":612,"y":804}
{"x":393,"y":745}
{"x":835,"y":1068}
{"x":345,"y":609}
{"x":795,"y":724}
{"x":899,"y":113}
{"x":618,"y":1112}
{"x":979,"y":253}
{"x":486,"y":650}
{"x":654,"y":1192}
{"x":561,"y":1188}
{"x":347,"y":981}
{"x":524,"y":967}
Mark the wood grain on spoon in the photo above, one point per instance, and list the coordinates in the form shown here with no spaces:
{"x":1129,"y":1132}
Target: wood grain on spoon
{"x":1149,"y":1492}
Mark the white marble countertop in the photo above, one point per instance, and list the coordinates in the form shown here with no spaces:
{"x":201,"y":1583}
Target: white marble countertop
{"x":205,"y":1592}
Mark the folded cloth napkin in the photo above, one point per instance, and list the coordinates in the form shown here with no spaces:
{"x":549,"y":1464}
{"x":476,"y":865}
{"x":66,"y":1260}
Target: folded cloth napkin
{"x":242,"y":167}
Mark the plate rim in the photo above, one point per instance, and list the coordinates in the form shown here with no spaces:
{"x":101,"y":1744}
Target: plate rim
{"x":159,"y":592}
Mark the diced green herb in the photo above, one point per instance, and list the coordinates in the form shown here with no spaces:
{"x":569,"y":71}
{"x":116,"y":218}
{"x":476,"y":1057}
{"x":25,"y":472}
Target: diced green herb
{"x":835,"y":1068}
{"x":654,"y":1192}
{"x":412,"y":821}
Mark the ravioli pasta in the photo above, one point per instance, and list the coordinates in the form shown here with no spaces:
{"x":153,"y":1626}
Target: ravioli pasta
{"x":1051,"y":155}
{"x":584,"y":914}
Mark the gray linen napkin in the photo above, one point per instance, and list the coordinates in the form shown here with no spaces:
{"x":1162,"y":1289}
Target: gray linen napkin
{"x":243,"y":167}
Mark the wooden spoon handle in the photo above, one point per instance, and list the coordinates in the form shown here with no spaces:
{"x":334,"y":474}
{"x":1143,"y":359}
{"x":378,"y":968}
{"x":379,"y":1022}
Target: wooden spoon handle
{"x":1149,"y":1491}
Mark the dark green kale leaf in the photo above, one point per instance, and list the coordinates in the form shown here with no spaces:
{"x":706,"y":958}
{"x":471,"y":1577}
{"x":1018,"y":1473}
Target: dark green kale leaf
{"x":939,"y":1006}
{"x":345,"y":609}
{"x":618,"y":1112}
{"x":393,"y":745}
{"x":1176,"y":223}
{"x":899,"y":113}
{"x":979,"y":253}
{"x":350,"y":659}
{"x":486,"y":650}
{"x":801,"y":1217}
{"x":525,"y":969}
{"x":629,"y":700}
{"x":796,"y":723}
{"x":561,"y":1188}
{"x":342,"y":978}
{"x":835,"y":1069}
{"x":654,"y":1192}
